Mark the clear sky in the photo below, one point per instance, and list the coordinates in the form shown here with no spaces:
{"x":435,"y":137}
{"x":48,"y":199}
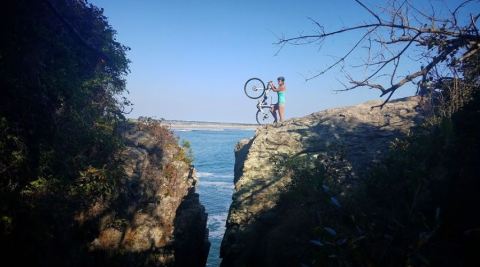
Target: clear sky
{"x":190,"y":59}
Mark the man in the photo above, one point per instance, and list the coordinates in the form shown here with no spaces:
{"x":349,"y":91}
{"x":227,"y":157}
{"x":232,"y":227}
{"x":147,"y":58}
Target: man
{"x":280,"y":106}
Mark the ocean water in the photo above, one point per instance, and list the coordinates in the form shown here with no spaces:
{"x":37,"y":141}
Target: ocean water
{"x":214,"y":159}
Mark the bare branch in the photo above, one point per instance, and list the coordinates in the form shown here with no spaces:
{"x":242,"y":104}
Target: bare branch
{"x":473,"y":23}
{"x":369,"y":11}
{"x":469,"y":53}
{"x":460,"y":6}
{"x":344,"y":57}
{"x":386,"y":62}
{"x":421,"y":72}
{"x":384,"y":102}
{"x":442,"y":43}
{"x":417,"y":30}
{"x":395,"y":63}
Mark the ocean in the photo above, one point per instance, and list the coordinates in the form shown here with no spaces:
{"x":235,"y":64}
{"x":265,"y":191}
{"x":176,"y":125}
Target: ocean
{"x":213,"y":152}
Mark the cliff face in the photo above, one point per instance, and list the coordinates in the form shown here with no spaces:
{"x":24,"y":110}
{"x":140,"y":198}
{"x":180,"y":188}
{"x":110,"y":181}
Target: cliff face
{"x":157,"y":219}
{"x":258,"y":223}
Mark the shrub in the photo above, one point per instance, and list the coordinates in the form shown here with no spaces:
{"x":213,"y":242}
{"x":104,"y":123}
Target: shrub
{"x":416,"y":207}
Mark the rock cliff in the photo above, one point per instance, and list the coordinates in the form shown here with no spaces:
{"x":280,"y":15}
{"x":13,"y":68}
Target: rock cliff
{"x":256,"y":218}
{"x":157,"y":219}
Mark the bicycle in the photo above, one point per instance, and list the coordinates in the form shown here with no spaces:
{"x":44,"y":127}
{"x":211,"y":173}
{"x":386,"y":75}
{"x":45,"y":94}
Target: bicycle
{"x":255,"y":88}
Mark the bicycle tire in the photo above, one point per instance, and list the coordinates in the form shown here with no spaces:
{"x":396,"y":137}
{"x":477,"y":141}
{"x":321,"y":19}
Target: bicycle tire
{"x":254,"y":88}
{"x":265,"y":117}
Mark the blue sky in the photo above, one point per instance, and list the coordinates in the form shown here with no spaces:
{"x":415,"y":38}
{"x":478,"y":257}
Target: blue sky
{"x":190,"y":59}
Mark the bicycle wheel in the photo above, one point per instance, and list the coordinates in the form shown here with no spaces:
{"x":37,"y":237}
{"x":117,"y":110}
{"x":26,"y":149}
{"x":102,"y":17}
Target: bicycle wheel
{"x":265,"y":116}
{"x":254,"y":88}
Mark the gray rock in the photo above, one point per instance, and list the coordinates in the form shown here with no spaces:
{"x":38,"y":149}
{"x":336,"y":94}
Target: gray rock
{"x":359,"y":133}
{"x":159,"y":220}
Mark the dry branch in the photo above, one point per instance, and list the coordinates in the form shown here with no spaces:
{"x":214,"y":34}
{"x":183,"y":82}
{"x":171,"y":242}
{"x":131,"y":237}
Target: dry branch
{"x":444,"y":41}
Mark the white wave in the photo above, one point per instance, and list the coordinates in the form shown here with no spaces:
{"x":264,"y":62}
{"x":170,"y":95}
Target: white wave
{"x":216,"y":225}
{"x":204,"y":174}
{"x":210,"y":174}
{"x":226,"y":185}
{"x":224,"y":176}
{"x":212,"y":129}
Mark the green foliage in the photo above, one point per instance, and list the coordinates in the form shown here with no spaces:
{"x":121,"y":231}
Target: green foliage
{"x":92,"y":183}
{"x":162,"y":134}
{"x":62,"y":79}
{"x":417,"y":207}
{"x":186,"y":152}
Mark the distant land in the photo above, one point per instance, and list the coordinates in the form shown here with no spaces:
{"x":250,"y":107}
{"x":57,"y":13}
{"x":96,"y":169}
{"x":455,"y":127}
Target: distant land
{"x":207,"y":125}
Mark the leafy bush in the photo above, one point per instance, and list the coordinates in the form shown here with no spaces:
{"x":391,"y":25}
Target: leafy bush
{"x":62,"y":79}
{"x":186,"y":154}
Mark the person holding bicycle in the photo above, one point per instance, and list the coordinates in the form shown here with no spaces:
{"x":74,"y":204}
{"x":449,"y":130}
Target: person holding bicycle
{"x":280,"y":106}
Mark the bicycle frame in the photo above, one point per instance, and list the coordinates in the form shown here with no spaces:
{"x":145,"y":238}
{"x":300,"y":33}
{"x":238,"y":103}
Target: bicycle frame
{"x":263,"y":103}
{"x":255,"y":89}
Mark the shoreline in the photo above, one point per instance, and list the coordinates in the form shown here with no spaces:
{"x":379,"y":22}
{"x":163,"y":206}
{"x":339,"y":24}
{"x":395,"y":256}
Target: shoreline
{"x":210,"y":127}
{"x":206,"y":125}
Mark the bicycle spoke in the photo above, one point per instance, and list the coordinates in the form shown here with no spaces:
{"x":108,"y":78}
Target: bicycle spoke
{"x":265,"y":116}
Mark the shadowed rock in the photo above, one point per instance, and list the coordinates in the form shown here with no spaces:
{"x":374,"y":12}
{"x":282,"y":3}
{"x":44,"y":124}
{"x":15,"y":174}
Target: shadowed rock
{"x":158,"y":219}
{"x":361,"y":133}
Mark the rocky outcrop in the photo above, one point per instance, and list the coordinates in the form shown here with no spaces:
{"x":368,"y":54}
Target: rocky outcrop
{"x":359,"y":133}
{"x":157,"y":219}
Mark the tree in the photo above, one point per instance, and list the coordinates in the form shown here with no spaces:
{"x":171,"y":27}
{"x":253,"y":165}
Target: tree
{"x":444,"y":44}
{"x":62,"y":81}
